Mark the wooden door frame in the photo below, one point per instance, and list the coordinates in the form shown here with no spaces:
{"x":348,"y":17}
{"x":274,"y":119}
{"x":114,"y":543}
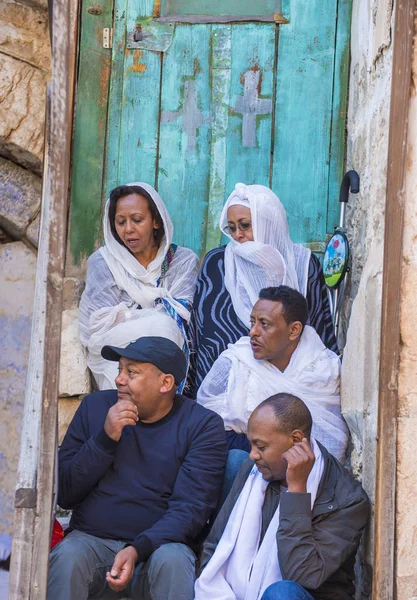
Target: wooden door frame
{"x":384,"y":558}
{"x":36,"y":471}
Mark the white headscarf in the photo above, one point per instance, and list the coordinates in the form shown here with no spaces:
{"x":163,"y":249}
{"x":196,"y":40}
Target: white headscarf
{"x":270,"y":260}
{"x":109,"y":313}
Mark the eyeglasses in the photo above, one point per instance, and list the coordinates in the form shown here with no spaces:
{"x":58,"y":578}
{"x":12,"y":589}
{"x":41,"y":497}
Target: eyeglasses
{"x":245,"y":226}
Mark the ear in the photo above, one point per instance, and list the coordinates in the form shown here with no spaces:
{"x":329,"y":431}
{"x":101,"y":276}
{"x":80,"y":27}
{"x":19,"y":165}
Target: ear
{"x":167,"y":383}
{"x":297,"y":436}
{"x":295,"y":330}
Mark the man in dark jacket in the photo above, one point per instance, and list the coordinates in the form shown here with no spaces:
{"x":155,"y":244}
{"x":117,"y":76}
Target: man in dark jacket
{"x":297,"y":520}
{"x":141,"y":467}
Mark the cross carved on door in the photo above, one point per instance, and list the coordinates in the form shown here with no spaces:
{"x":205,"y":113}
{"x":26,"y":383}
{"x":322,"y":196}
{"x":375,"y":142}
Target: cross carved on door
{"x":192,"y":117}
{"x":249,"y":106}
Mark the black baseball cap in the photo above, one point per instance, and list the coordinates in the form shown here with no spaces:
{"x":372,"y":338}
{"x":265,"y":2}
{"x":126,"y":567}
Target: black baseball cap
{"x":158,"y":351}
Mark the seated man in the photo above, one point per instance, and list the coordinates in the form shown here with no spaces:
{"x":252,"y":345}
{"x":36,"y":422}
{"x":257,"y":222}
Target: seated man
{"x":142,"y":469}
{"x":282,"y":354}
{"x":291,"y":525}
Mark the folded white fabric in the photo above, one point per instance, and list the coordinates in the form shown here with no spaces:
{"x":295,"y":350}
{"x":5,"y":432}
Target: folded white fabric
{"x":240,"y":569}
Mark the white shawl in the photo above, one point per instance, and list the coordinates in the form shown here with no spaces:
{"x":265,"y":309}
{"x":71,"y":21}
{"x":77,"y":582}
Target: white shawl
{"x":240,"y":569}
{"x":117,"y":284}
{"x":270,"y":260}
{"x":237,"y":383}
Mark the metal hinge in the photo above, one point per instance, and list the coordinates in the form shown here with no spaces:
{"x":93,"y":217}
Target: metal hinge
{"x":107,"y":37}
{"x":280,"y":19}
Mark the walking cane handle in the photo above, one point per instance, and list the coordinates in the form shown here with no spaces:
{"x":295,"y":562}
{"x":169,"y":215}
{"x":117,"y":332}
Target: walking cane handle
{"x":350,"y":181}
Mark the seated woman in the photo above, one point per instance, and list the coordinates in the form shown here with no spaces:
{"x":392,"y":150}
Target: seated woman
{"x":259,"y":255}
{"x":139,"y":283}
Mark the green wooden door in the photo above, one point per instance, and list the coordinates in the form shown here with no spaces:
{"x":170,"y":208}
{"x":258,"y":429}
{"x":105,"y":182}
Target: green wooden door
{"x":194,"y":103}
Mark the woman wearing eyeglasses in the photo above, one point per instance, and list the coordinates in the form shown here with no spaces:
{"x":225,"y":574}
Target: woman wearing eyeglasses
{"x":260,"y":254}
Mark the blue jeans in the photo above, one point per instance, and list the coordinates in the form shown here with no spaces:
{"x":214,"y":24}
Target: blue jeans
{"x":286,"y":590}
{"x":78,"y":566}
{"x":235,"y":459}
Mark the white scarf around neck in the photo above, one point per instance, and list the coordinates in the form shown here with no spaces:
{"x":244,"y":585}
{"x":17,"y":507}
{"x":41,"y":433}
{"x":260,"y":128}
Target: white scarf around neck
{"x":240,"y":569}
{"x":313,"y":375}
{"x":138,"y":281}
{"x":270,"y":260}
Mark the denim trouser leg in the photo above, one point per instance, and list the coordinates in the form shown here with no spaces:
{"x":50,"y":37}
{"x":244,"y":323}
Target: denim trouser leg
{"x":169,"y":574}
{"x":78,"y":566}
{"x":286,"y":590}
{"x":234,"y":460}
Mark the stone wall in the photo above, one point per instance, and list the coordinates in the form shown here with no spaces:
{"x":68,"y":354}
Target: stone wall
{"x":17,"y":284}
{"x":24,"y":72}
{"x":24,"y":67}
{"x":406,"y":525}
{"x":367,"y":145}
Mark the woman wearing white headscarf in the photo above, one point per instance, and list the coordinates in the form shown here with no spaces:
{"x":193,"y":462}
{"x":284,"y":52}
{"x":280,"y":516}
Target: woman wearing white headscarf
{"x":139,"y":283}
{"x":260,"y":254}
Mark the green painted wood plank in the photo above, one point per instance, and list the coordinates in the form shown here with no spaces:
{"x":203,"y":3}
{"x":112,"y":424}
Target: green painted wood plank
{"x":286,"y":9}
{"x":219,"y":7}
{"x":138,"y":147}
{"x":221,"y":43}
{"x":137,"y":10}
{"x":90,"y":131}
{"x":340,"y":96}
{"x":250,"y":113}
{"x":303,"y":116}
{"x":134,"y":104}
{"x":184,"y":143}
{"x":115,"y":97}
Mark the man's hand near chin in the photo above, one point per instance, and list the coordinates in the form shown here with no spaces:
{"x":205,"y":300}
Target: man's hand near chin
{"x":122,"y":570}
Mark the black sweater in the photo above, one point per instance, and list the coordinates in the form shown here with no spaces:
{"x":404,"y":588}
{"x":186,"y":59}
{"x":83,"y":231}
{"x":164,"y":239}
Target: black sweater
{"x":160,"y":483}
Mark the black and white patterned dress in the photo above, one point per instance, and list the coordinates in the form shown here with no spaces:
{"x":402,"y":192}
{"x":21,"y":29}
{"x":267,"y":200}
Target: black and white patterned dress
{"x":214,"y":323}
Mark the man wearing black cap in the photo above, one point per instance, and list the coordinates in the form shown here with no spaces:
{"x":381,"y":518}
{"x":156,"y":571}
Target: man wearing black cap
{"x":141,"y":468}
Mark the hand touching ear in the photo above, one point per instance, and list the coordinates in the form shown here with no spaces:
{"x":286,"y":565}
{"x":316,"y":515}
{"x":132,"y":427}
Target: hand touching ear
{"x":300,"y":461}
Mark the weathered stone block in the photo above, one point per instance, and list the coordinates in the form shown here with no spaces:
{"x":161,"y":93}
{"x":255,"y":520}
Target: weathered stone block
{"x":74,"y":376}
{"x":17,"y":284}
{"x":73,"y":288}
{"x":66,"y":411}
{"x":4,"y":584}
{"x":406,"y":488}
{"x":5,"y":237}
{"x":22,"y":110}
{"x":32,"y":232}
{"x":20,"y":197}
{"x":406,"y":588}
{"x":24,"y":33}
{"x":360,"y":376}
{"x":36,"y":3}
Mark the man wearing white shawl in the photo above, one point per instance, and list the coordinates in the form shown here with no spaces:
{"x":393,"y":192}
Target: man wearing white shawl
{"x":139,"y":283}
{"x":260,"y":254}
{"x":291,"y":525}
{"x":282,"y":354}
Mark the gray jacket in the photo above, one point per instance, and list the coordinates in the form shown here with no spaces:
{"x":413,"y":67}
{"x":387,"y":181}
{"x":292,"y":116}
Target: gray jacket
{"x":316,"y":548}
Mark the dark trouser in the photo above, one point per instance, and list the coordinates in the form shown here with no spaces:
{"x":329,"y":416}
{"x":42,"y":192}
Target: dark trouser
{"x":286,"y":590}
{"x":235,"y":459}
{"x":237,"y":441}
{"x":78,"y":567}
